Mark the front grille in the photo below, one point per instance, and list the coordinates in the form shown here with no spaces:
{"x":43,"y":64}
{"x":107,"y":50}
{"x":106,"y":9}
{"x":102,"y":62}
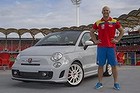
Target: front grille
{"x":29,"y":75}
{"x":33,"y":75}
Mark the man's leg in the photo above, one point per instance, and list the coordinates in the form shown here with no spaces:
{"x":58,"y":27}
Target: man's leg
{"x":100,"y":73}
{"x":101,"y":60}
{"x":100,"y":76}
{"x":115,"y":73}
{"x":113,"y":62}
{"x":115,"y":76}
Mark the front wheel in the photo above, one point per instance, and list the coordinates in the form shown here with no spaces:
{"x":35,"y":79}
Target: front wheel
{"x":75,"y":74}
{"x":108,"y":70}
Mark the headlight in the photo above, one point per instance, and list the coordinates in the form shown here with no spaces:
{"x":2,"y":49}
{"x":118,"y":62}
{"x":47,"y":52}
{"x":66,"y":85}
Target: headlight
{"x":18,"y":57}
{"x":56,"y":56}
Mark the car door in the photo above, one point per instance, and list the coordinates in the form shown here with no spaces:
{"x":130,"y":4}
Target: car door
{"x":88,"y":55}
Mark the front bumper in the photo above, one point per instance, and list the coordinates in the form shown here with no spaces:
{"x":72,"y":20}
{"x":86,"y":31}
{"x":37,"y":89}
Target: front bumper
{"x":50,"y":75}
{"x":40,"y":69}
{"x":33,"y":75}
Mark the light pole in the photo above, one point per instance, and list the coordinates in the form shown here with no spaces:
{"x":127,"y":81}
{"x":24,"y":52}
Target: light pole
{"x":77,"y":3}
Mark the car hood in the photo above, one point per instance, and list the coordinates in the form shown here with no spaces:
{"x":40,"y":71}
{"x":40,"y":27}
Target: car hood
{"x":46,"y":50}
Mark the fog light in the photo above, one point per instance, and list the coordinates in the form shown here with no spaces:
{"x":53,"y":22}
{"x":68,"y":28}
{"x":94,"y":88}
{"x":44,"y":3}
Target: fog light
{"x":57,"y":64}
{"x":44,"y":74}
{"x":15,"y":72}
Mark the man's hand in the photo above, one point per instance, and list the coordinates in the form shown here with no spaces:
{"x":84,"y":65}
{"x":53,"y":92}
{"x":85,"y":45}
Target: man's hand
{"x":97,"y":41}
{"x":114,"y":41}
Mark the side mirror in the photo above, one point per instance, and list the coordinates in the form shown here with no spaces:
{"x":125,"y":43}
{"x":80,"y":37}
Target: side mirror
{"x":88,"y":43}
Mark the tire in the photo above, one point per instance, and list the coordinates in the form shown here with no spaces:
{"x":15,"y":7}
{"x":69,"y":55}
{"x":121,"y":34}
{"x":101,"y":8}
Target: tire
{"x":108,"y":70}
{"x":75,"y":74}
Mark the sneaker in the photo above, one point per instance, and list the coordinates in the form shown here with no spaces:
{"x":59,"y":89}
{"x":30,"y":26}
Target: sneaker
{"x":116,"y":86}
{"x":98,"y":85}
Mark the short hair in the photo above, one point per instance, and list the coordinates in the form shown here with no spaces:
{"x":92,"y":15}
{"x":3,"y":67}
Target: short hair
{"x":105,"y":7}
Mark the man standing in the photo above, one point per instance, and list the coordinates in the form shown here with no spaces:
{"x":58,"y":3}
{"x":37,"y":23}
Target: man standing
{"x":106,"y":28}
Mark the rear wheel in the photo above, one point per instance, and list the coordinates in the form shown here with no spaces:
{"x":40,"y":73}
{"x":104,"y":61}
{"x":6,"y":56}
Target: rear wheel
{"x":75,"y":74}
{"x":108,"y":70}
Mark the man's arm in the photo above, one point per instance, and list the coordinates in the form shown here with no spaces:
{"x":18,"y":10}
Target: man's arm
{"x":94,"y":36}
{"x":120,"y":34}
{"x":117,"y":39}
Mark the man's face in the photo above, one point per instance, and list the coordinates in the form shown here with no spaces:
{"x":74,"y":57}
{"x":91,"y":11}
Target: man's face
{"x":106,"y":12}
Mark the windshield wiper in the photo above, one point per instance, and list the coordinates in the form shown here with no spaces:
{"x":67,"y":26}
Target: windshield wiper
{"x":45,"y":44}
{"x":68,"y":44}
{"x":59,"y":44}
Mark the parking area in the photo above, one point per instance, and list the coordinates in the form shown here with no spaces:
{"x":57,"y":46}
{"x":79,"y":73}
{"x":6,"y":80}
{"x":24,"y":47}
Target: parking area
{"x":129,"y":78}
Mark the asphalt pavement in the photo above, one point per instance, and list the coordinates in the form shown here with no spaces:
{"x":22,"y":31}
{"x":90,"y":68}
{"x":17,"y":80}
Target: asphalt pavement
{"x":129,"y":79}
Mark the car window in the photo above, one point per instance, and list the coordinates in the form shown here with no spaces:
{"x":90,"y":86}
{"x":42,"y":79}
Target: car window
{"x":60,"y":38}
{"x":85,"y":38}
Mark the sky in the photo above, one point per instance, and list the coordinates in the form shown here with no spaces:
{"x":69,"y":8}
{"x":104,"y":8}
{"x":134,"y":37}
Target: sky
{"x":58,"y":13}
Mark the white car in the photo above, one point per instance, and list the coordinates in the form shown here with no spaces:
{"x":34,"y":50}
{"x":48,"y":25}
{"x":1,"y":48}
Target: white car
{"x":67,"y":56}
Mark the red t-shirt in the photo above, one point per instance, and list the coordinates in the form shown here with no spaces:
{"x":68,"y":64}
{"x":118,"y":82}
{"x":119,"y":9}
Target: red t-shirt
{"x":106,"y":31}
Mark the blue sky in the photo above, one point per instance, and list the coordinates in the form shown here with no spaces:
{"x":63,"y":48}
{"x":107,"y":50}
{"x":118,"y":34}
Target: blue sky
{"x":58,"y":13}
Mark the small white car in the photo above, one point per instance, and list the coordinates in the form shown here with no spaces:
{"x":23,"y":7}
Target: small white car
{"x":66,"y":56}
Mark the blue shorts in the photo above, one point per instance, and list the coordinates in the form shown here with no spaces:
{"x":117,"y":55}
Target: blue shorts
{"x":105,"y":54}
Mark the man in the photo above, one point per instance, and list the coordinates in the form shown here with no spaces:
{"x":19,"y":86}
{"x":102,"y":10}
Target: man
{"x":106,"y":42}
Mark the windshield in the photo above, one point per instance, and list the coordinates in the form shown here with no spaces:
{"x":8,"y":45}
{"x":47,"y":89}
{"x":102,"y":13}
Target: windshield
{"x":59,"y":38}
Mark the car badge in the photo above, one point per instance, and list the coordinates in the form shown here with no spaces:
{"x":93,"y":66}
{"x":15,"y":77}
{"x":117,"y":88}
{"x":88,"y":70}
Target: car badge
{"x":30,"y":60}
